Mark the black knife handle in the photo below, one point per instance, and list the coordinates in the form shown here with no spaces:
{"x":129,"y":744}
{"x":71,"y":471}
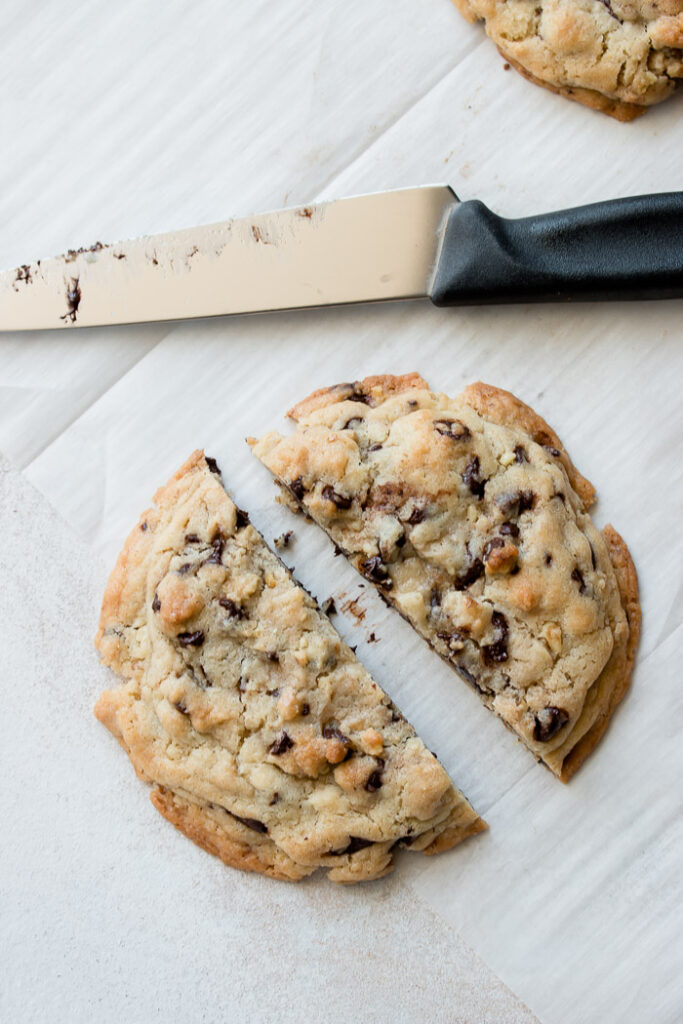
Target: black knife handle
{"x":622,"y":249}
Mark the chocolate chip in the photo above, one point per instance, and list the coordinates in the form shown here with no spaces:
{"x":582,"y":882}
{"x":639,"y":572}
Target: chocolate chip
{"x":548,"y":722}
{"x":156,"y":603}
{"x":143,"y":526}
{"x":281,"y":745}
{"x":470,"y":575}
{"x":491,"y":545}
{"x":509,"y":529}
{"x":232,"y":608}
{"x":548,"y":559}
{"x":252,"y":823}
{"x":273,"y":656}
{"x":577,"y":576}
{"x":520,"y":453}
{"x":360,"y":396}
{"x":455,"y":429}
{"x":191,"y":538}
{"x":195,"y":639}
{"x":416,"y":516}
{"x":297,"y":488}
{"x":241,"y":519}
{"x":201,"y":679}
{"x":179,"y":706}
{"x":329,"y":607}
{"x":350,"y":424}
{"x":213,"y":465}
{"x":305,"y":710}
{"x":274,"y":799}
{"x":552,"y":451}
{"x":374,"y":781}
{"x":185,"y":568}
{"x":339,"y":500}
{"x":526,"y":501}
{"x":217,"y":545}
{"x":376,"y":571}
{"x":515,"y":502}
{"x":331,"y":732}
{"x":496,"y":652}
{"x":472,"y":479}
{"x":375,"y":447}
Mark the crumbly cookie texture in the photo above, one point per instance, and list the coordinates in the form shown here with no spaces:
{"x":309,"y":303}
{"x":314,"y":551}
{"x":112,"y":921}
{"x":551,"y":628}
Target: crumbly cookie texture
{"x":617,"y":56}
{"x":266,"y":741}
{"x":470,"y":518}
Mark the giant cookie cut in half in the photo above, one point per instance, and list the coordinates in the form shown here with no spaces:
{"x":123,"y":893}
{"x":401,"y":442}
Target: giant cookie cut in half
{"x":617,"y":56}
{"x":472,"y":521}
{"x":264,"y":738}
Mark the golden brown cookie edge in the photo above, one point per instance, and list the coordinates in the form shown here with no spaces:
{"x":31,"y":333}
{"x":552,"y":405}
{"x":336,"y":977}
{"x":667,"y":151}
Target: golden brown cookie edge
{"x":118,"y":600}
{"x":505,"y":409}
{"x":454,"y":836}
{"x":196,"y":825}
{"x":621,"y":662}
{"x":377,"y":388}
{"x":620,"y":110}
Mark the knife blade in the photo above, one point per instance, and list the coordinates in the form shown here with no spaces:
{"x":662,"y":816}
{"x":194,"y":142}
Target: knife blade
{"x":404,"y":244}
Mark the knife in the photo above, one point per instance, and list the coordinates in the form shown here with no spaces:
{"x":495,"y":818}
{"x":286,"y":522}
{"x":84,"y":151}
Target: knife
{"x":406,"y":244}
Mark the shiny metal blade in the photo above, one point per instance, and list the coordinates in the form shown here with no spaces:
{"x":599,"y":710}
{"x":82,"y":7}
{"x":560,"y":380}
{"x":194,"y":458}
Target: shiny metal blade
{"x":363,"y":249}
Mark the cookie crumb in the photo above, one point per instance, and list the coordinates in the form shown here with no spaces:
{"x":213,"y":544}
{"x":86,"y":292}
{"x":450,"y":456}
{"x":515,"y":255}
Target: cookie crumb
{"x":284,"y":540}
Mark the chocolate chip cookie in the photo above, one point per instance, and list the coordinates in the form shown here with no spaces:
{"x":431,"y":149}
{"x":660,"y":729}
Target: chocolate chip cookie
{"x":265,"y":740}
{"x":469,"y":517}
{"x":617,"y":56}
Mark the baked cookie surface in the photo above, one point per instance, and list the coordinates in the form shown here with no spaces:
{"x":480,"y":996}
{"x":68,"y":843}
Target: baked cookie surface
{"x":265,"y":739}
{"x":617,"y":56}
{"x":470,"y":518}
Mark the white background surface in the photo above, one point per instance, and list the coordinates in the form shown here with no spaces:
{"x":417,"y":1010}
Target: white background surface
{"x":133,"y":118}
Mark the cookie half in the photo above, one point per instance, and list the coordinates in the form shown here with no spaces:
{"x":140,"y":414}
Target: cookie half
{"x":266,"y":741}
{"x":469,"y":517}
{"x":616,"y":56}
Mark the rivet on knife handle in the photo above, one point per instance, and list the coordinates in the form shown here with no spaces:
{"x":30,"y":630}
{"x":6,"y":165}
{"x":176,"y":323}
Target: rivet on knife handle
{"x":622,"y":249}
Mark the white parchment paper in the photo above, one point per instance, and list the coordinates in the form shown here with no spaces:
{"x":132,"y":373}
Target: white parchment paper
{"x":574,"y":896}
